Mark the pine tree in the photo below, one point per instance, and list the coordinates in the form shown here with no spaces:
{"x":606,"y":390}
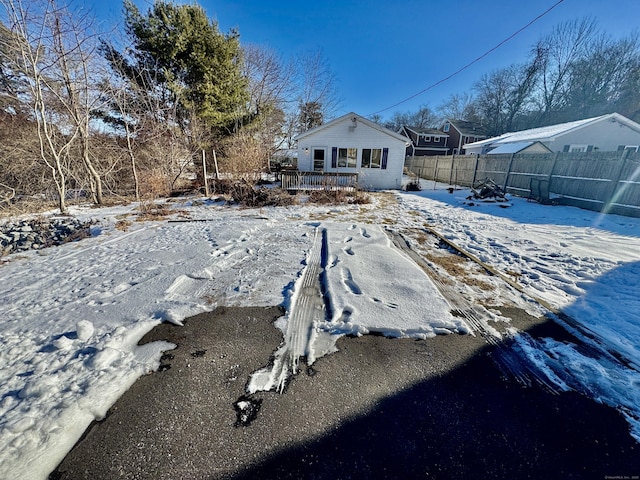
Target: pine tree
{"x":196,"y":66}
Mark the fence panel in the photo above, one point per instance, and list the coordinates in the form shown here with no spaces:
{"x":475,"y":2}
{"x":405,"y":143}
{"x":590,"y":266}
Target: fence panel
{"x":583,"y":177}
{"x":626,"y":193}
{"x":494,"y":167}
{"x":602,"y":181}
{"x":526,"y":167}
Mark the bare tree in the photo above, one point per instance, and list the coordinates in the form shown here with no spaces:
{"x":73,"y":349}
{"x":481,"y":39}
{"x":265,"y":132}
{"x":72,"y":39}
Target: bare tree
{"x":424,"y":117}
{"x":50,"y":49}
{"x":74,"y":47}
{"x":271,"y":94}
{"x":316,"y":87}
{"x":573,"y":72}
{"x":597,"y":80}
{"x":458,"y":106}
{"x":504,"y":97}
{"x":556,"y":53}
{"x":270,"y":79}
{"x":30,"y":48}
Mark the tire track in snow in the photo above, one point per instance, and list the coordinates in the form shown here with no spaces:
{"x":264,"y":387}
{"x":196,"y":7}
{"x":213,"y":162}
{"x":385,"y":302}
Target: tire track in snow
{"x":503,"y":354}
{"x":307,"y":306}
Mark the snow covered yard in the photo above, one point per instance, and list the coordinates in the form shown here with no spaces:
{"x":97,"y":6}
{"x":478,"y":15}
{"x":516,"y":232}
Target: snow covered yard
{"x":71,"y":316}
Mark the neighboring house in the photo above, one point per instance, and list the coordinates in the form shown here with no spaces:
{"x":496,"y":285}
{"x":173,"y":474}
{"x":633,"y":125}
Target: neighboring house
{"x":425,"y":141}
{"x":611,"y":132}
{"x":462,"y":132}
{"x":354,"y":144}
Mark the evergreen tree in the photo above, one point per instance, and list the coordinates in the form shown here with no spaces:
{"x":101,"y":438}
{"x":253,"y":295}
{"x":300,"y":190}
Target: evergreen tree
{"x":310,"y":116}
{"x":194,"y":65}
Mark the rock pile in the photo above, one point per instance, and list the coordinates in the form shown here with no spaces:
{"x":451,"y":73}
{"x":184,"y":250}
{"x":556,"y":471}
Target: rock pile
{"x":41,"y":233}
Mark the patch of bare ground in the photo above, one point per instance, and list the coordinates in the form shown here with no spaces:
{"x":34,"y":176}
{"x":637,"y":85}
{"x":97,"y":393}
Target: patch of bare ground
{"x":123,"y":224}
{"x":452,"y":266}
{"x":459,"y":267}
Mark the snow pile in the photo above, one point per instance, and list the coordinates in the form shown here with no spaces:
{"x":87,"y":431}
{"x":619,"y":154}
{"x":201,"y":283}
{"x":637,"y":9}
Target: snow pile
{"x":374,"y":287}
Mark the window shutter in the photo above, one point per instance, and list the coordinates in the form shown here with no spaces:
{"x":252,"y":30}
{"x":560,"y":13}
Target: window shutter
{"x":565,"y":148}
{"x":334,"y":157}
{"x":589,"y":148}
{"x":385,"y":155}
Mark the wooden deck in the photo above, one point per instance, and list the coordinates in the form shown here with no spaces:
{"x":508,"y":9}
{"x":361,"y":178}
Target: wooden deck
{"x":319,"y":181}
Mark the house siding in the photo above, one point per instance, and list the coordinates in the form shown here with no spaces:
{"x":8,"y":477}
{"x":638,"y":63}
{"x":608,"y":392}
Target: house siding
{"x":343,"y":135}
{"x":604,"y":135}
{"x":458,"y":138}
{"x":419,"y":146}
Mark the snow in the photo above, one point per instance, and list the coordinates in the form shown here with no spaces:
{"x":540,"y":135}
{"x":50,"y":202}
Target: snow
{"x":372,"y":282}
{"x":582,"y":262}
{"x":72,"y":316}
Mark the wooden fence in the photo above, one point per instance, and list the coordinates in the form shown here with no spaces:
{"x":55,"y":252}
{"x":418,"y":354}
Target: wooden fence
{"x":607,"y":182}
{"x":319,"y":181}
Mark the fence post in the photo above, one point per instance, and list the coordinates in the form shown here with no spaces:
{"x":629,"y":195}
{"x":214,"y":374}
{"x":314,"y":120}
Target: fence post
{"x":435,"y":172}
{"x":204,"y":174}
{"x":553,"y":167}
{"x":475,"y":171}
{"x":506,"y":178}
{"x":453,"y":160}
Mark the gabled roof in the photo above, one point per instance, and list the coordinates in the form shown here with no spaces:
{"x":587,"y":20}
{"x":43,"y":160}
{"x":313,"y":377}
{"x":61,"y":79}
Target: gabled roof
{"x":426,"y":131}
{"x":360,"y":119}
{"x":550,"y":133}
{"x":468,"y":128}
{"x":517,"y":147}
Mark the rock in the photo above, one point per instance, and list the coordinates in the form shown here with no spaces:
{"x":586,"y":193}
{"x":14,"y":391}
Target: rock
{"x":41,"y":233}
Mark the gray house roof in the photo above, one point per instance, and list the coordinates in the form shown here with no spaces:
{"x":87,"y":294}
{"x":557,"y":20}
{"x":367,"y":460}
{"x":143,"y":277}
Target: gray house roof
{"x":470,"y":129}
{"x":427,"y":131}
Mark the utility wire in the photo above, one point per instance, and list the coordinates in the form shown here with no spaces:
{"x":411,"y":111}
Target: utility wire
{"x":472,"y":62}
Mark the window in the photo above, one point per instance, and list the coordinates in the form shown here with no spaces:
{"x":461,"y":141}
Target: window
{"x":436,"y":139}
{"x":347,"y":157}
{"x":318,"y":159}
{"x":577,"y":148}
{"x":446,"y":127}
{"x":427,"y":138}
{"x":385,"y":158}
{"x":371,"y":157}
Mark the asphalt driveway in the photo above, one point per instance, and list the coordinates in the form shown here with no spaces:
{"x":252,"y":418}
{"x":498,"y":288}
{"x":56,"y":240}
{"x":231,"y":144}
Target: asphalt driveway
{"x":378,"y":408}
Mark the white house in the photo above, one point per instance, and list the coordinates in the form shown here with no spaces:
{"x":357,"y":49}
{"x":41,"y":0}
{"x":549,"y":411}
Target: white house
{"x":354,"y":144}
{"x":611,"y":132}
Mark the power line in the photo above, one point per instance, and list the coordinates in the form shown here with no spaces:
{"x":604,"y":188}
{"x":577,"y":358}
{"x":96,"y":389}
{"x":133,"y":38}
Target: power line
{"x":473,"y":61}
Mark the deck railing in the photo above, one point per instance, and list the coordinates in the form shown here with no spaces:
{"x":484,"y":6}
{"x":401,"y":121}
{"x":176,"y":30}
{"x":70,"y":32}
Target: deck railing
{"x":319,"y":181}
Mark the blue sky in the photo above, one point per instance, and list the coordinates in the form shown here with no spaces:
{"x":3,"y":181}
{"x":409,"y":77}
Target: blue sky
{"x":383,"y":52}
